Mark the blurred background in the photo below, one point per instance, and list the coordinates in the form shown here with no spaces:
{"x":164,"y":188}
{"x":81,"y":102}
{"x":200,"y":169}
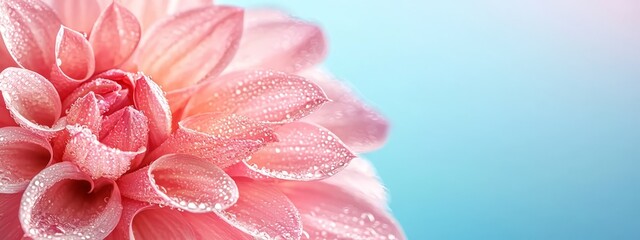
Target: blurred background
{"x":511,"y":119}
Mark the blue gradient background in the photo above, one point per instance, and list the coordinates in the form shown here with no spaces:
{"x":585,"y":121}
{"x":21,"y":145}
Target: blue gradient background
{"x":511,"y":119}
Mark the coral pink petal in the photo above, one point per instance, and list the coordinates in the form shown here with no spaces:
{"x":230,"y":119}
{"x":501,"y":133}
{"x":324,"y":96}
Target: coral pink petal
{"x":95,"y":158}
{"x":288,"y":46}
{"x":10,"y":222}
{"x":304,"y":152}
{"x":22,"y":155}
{"x":260,"y":95}
{"x":330,"y":212}
{"x":63,"y":202}
{"x":161,"y":223}
{"x":360,"y":179}
{"x":178,"y":100}
{"x":184,"y":49}
{"x":211,"y":226}
{"x":31,"y":99}
{"x":263,"y":211}
{"x":29,"y":31}
{"x":98,"y":86}
{"x":230,"y":127}
{"x":126,"y":129}
{"x":5,"y":57}
{"x":181,"y":181}
{"x":149,"y":98}
{"x":130,"y":208}
{"x":114,"y":37}
{"x":78,"y":15}
{"x":75,"y":62}
{"x":359,"y":126}
{"x":86,"y":112}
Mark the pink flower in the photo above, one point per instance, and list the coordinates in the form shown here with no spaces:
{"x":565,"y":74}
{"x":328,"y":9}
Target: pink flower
{"x":251,"y":139}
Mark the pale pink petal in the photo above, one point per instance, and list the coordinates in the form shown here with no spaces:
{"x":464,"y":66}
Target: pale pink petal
{"x":63,"y":202}
{"x":78,"y":15}
{"x":114,"y":37}
{"x":178,"y":100}
{"x":147,"y":12}
{"x":330,"y":212}
{"x":254,"y":17}
{"x":31,"y":99}
{"x":5,"y":57}
{"x":186,"y":48}
{"x":130,"y":208}
{"x":221,"y":139}
{"x":361,"y":180}
{"x":75,"y":62}
{"x":149,"y":98}
{"x":359,"y":126}
{"x":287,"y":45}
{"x":304,"y":152}
{"x":10,"y":222}
{"x":181,"y":181}
{"x":161,"y":223}
{"x":211,"y":226}
{"x":86,"y":112}
{"x":261,"y":95}
{"x":22,"y":155}
{"x":263,"y":211}
{"x":95,"y":158}
{"x":29,"y":29}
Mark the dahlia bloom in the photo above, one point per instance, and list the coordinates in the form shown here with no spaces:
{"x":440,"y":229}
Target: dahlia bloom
{"x":179,"y":120}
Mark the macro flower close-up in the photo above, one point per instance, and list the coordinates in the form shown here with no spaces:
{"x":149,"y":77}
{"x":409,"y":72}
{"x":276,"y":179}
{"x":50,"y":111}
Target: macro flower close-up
{"x":180,"y":119}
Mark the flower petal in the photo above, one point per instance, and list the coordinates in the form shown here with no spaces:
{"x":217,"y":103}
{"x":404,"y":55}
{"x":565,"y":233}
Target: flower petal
{"x":75,"y":62}
{"x":361,"y":180}
{"x":359,"y":126}
{"x":211,"y":226}
{"x":86,"y":112}
{"x":161,"y":223}
{"x":126,"y":129}
{"x":150,"y":12}
{"x":5,"y":57}
{"x":190,"y":46}
{"x":78,"y":15}
{"x":181,"y":181}
{"x":229,"y":127}
{"x":304,"y":152}
{"x":130,"y":208}
{"x":114,"y":37}
{"x":287,"y":45}
{"x":63,"y":202}
{"x":261,"y":95}
{"x":22,"y":155}
{"x":29,"y":31}
{"x":329,"y":212}
{"x":10,"y":222}
{"x":95,"y":158}
{"x":101,"y":87}
{"x":263,"y":211}
{"x":31,"y":99}
{"x":149,"y":98}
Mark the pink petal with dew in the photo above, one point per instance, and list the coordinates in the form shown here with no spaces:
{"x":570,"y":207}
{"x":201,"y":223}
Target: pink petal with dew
{"x":63,"y":202}
{"x":29,"y":31}
{"x":216,"y":138}
{"x":77,"y":15}
{"x":5,"y":57}
{"x":95,"y":158}
{"x":178,"y":99}
{"x":330,"y":212}
{"x":86,"y":112}
{"x":143,"y":221}
{"x":100,"y":87}
{"x":74,"y":61}
{"x":31,"y":99}
{"x":10,"y":222}
{"x":211,"y":226}
{"x":287,"y":45}
{"x":359,"y":126}
{"x":149,"y":98}
{"x":263,"y":211}
{"x":304,"y":152}
{"x":114,"y":37}
{"x":260,"y":95}
{"x":206,"y":36}
{"x":181,"y":181}
{"x":361,"y":180}
{"x":22,"y":155}
{"x":127,"y":130}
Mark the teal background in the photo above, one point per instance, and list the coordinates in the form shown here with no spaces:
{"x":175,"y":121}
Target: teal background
{"x":511,"y":119}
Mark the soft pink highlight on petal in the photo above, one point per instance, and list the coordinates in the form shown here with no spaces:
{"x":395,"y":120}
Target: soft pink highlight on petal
{"x":95,"y":158}
{"x":31,"y":99}
{"x":29,"y":32}
{"x":361,"y":127}
{"x":10,"y":222}
{"x":263,"y":211}
{"x":287,"y":45}
{"x":78,"y":15}
{"x":181,"y":181}
{"x":304,"y":152}
{"x":63,"y":202}
{"x":361,"y":180}
{"x":22,"y":155}
{"x":330,"y":212}
{"x":211,"y":226}
{"x":149,"y":98}
{"x":186,"y":48}
{"x":260,"y":95}
{"x":114,"y":37}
